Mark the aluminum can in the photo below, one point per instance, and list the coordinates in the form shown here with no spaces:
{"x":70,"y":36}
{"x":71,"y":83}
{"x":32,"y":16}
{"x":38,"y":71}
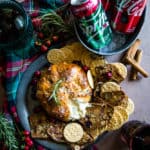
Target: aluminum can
{"x":92,"y":21}
{"x":127,"y":14}
{"x":106,"y":4}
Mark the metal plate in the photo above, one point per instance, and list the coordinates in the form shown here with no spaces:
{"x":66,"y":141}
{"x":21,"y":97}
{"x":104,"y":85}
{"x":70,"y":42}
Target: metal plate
{"x":25,"y":103}
{"x":120,"y":42}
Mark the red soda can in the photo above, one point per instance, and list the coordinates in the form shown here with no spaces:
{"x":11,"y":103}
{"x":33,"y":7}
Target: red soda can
{"x":84,"y":8}
{"x":127,"y":14}
{"x":106,"y":4}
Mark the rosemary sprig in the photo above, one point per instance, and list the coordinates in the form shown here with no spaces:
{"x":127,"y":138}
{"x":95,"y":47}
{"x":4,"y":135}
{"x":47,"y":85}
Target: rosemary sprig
{"x":54,"y":93}
{"x":53,"y":21}
{"x":7,"y":134}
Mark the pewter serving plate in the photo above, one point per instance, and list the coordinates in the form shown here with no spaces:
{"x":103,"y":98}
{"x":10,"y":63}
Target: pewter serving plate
{"x":26,"y":104}
{"x":120,"y":42}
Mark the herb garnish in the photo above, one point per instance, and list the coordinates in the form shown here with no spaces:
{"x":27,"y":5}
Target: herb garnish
{"x":54,"y":93}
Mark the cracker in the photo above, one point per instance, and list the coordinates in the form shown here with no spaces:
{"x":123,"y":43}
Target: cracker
{"x":55,"y":56}
{"x":77,"y":49}
{"x":73,"y":132}
{"x":121,"y":69}
{"x":115,"y":122}
{"x":123,"y":113}
{"x":68,"y":53}
{"x":110,"y":87}
{"x":86,"y":58}
{"x":98,"y":62}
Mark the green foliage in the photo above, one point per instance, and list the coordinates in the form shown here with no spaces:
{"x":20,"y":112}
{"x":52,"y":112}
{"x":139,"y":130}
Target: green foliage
{"x":7,"y":134}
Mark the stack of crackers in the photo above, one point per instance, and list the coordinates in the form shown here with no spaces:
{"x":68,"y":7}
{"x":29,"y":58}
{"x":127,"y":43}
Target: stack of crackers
{"x":109,"y":108}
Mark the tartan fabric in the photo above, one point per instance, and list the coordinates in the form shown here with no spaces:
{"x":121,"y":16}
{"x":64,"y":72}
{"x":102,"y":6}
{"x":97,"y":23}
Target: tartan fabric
{"x":15,"y":65}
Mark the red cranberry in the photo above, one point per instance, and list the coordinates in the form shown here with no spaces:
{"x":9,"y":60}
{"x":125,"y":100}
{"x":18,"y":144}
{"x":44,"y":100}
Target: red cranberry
{"x":109,"y":75}
{"x":39,"y":147}
{"x":26,"y":147}
{"x":36,"y":22}
{"x":40,"y":35}
{"x":55,"y":38}
{"x":48,"y":43}
{"x":28,"y":141}
{"x":26,"y":132}
{"x":37,"y":73}
{"x":85,"y":68}
{"x":44,"y":48}
{"x":13,"y":109}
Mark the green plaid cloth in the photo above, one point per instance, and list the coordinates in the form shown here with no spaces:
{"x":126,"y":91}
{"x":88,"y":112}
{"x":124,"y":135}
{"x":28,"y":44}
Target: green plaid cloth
{"x":17,"y":64}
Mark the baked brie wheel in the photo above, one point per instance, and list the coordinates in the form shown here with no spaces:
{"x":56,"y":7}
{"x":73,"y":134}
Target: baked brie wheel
{"x":64,"y":91}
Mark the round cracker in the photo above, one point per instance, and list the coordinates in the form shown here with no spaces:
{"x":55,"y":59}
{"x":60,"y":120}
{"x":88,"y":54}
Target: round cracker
{"x":55,"y":56}
{"x":68,"y":53}
{"x":98,"y":62}
{"x":73,"y":132}
{"x":130,"y":107}
{"x":123,"y":113}
{"x":77,"y":48}
{"x":86,"y":58}
{"x":121,"y":69}
{"x":115,"y":121}
{"x":110,"y":87}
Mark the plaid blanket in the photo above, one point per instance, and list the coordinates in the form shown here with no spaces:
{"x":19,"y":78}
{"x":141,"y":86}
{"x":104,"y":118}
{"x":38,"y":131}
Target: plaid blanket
{"x":15,"y":65}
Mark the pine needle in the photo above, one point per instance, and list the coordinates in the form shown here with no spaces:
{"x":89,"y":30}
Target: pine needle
{"x":7,"y":134}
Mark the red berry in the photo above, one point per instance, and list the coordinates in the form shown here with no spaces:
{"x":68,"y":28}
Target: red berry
{"x":44,"y":48}
{"x":37,"y":73}
{"x":40,"y":35}
{"x":28,"y":141}
{"x":55,"y":38}
{"x":13,"y":109}
{"x":36,"y":22}
{"x":40,"y":147}
{"x":26,"y":132}
{"x":48,"y":43}
{"x":26,"y":147}
{"x":109,"y":75}
{"x":85,"y":68}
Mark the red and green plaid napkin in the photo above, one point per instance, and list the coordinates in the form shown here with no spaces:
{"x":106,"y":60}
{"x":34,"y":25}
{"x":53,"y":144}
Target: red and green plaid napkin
{"x":15,"y":65}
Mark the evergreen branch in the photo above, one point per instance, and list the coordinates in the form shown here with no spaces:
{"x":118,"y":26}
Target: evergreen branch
{"x":53,"y":20}
{"x":7,"y":134}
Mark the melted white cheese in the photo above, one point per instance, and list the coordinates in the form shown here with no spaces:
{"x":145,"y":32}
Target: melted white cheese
{"x":77,"y":109}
